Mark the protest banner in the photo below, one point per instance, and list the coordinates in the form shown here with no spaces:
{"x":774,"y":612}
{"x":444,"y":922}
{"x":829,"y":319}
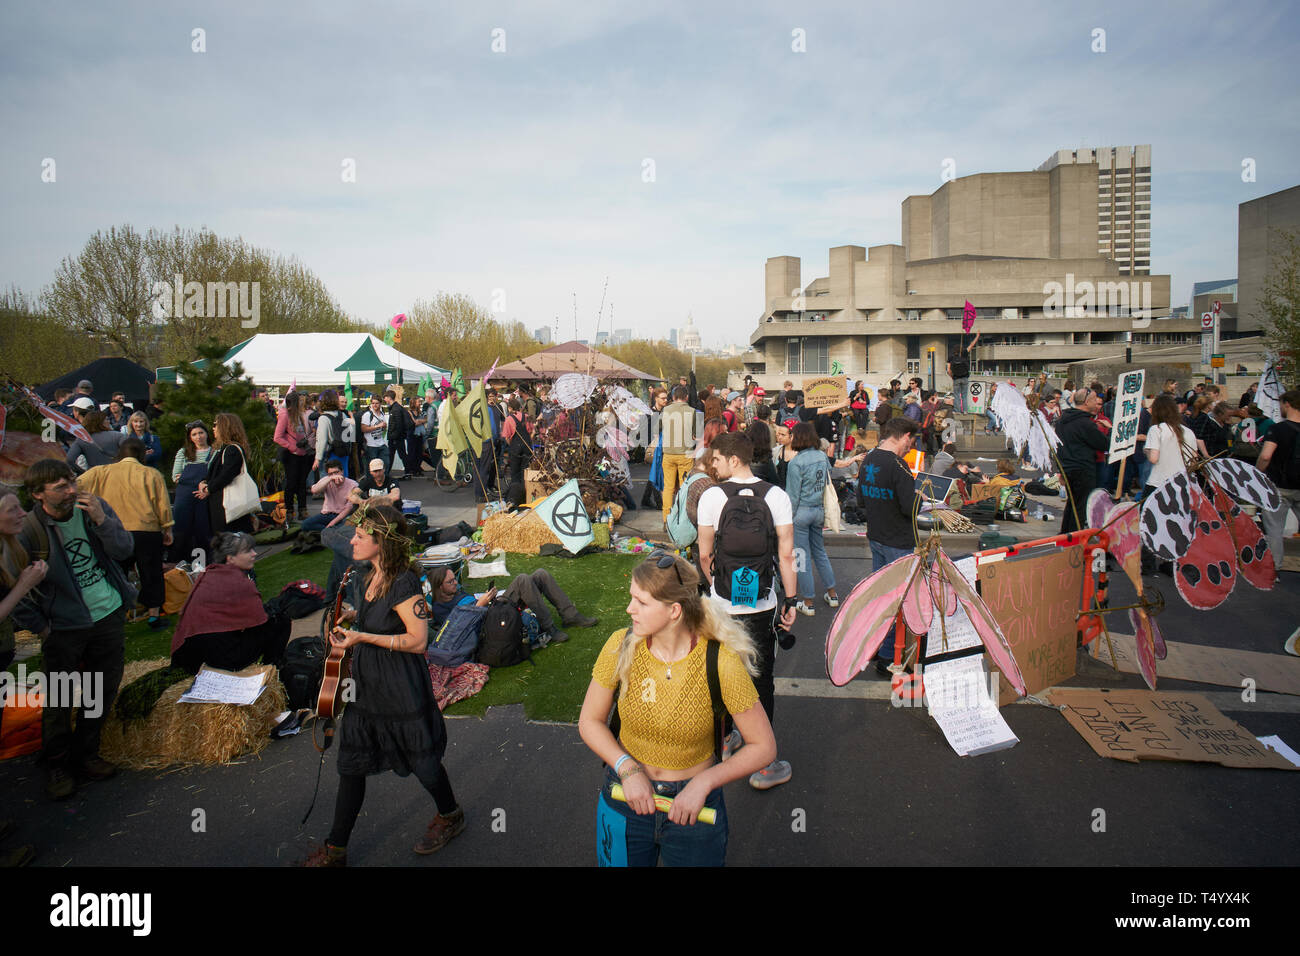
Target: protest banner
{"x":1128,"y":411}
{"x":825,"y":391}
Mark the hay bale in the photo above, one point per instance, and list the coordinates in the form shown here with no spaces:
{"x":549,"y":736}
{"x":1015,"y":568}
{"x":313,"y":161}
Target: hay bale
{"x":202,"y":734}
{"x":523,"y":532}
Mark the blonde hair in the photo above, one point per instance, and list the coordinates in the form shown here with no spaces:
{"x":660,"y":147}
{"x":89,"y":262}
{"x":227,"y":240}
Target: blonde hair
{"x":12,"y":556}
{"x":679,"y":583}
{"x":137,"y":416}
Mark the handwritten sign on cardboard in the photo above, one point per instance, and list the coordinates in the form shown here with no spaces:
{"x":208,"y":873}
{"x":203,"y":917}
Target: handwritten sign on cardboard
{"x":1036,"y":600}
{"x":1138,"y":725}
{"x":825,"y":392}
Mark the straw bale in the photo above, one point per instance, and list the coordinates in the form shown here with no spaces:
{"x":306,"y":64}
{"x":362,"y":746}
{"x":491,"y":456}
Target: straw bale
{"x":202,"y":734}
{"x":523,"y":532}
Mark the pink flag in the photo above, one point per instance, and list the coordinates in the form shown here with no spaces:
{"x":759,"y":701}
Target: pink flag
{"x":293,"y":385}
{"x":492,"y":369}
{"x":398,"y":320}
{"x":968,"y":317}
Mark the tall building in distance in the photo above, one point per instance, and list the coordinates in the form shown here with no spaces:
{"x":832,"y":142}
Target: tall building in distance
{"x":672,"y":337}
{"x":621,"y":337}
{"x":602,"y":338}
{"x":543,"y":335}
{"x":688,"y":339}
{"x":1123,"y":201}
{"x":1260,"y":224}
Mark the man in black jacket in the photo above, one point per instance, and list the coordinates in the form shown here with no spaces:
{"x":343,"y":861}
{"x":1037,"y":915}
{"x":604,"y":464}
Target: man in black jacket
{"x":400,"y":428}
{"x":1081,"y":439}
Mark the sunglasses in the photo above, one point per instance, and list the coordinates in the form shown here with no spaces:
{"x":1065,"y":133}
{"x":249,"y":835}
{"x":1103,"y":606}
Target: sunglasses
{"x":663,"y":559}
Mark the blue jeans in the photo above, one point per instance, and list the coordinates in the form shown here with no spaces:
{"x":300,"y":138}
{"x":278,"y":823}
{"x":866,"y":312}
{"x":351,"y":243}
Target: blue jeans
{"x":381,"y":452}
{"x":625,"y":838}
{"x":881,"y":555}
{"x":317,"y":522}
{"x":809,"y":540}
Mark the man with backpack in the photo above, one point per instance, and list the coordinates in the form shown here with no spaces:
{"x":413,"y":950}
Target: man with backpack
{"x":1279,"y":458}
{"x":680,"y":428}
{"x":533,"y":591}
{"x":746,"y":534}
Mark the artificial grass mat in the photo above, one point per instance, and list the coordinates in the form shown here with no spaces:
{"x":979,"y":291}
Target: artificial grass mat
{"x":551,"y":687}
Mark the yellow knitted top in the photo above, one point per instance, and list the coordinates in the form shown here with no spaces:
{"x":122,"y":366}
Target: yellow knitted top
{"x":669,"y":722}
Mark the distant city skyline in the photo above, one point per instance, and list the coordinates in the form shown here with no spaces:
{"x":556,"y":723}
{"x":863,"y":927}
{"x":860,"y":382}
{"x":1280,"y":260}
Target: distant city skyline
{"x":673,"y":149}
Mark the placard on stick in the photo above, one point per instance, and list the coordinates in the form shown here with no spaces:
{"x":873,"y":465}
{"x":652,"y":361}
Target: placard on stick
{"x":1035,"y":600}
{"x":1138,"y":725}
{"x":825,"y":391}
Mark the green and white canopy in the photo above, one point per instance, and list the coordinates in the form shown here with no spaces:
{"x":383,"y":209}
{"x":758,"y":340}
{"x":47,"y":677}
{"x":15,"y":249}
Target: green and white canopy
{"x":322,"y":358}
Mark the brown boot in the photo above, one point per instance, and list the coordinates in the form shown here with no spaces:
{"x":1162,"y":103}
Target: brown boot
{"x":440,"y":833}
{"x":327,"y":855}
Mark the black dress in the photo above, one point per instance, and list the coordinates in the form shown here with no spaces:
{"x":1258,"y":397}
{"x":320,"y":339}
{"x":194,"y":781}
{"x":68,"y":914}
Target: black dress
{"x":394,"y":723}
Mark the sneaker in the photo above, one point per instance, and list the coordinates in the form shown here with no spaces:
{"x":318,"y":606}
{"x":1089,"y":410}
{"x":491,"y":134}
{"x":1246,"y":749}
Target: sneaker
{"x":96,"y":768}
{"x":327,"y":855}
{"x":59,"y":784}
{"x":832,"y":601}
{"x":733,"y":743}
{"x":773,"y":775}
{"x":806,"y":609}
{"x":158,"y":623}
{"x":883,"y":669}
{"x":441,"y":831}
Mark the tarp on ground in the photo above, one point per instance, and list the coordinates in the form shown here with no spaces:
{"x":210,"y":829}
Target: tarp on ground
{"x":322,"y":358}
{"x":108,"y":375}
{"x":550,"y":364}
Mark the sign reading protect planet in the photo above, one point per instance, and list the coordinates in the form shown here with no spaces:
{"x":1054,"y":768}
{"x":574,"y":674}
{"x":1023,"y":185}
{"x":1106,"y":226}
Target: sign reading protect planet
{"x":825,"y":392}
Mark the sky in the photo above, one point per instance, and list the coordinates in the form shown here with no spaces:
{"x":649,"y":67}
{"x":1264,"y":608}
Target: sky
{"x":658,"y":153}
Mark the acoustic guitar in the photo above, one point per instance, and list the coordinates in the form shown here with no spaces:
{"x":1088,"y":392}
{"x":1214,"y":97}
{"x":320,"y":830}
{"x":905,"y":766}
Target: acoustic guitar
{"x":336,"y":665}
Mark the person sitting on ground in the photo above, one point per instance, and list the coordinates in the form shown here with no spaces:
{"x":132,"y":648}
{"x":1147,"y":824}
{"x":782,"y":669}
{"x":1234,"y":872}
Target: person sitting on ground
{"x":337,"y":490}
{"x":966,"y":472}
{"x":944,"y":460}
{"x":376,"y":484}
{"x":1006,"y":475}
{"x":224,"y":623}
{"x":531,"y":590}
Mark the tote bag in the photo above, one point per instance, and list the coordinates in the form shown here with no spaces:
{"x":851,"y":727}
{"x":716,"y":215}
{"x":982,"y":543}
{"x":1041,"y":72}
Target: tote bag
{"x":831,"y":506}
{"x":241,"y":496}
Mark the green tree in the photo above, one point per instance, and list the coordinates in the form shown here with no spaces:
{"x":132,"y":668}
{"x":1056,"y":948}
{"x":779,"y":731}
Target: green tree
{"x":1280,"y":306}
{"x":453,"y":331}
{"x":203,"y":392}
{"x":36,"y":347}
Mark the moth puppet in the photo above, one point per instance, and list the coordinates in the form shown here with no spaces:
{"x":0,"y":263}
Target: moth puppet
{"x":916,"y":583}
{"x":1207,"y":536}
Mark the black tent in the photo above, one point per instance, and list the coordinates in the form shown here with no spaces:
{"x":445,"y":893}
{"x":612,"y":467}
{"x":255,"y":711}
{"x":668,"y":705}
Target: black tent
{"x":108,"y":375}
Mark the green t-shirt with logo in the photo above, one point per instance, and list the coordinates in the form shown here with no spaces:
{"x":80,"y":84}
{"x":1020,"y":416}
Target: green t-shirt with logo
{"x":97,"y":591}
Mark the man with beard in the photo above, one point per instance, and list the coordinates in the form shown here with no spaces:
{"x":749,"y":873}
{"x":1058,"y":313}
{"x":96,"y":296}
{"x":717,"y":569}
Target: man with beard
{"x":80,"y":609}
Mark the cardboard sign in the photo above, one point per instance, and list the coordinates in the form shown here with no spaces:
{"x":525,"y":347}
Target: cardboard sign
{"x":1138,"y":725}
{"x":957,"y":693}
{"x":1128,"y":409}
{"x":1225,"y":666}
{"x":977,"y":396}
{"x":1036,"y":603}
{"x":825,"y":392}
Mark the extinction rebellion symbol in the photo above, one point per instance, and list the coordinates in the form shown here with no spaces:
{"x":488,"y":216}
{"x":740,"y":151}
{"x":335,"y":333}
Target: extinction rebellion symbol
{"x":476,"y":417}
{"x":975,"y":389}
{"x":746,"y":577}
{"x":573,"y":522}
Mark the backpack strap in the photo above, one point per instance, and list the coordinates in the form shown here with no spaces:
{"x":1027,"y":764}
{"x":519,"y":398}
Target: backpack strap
{"x":38,"y":534}
{"x":615,"y":722}
{"x":715,"y":698}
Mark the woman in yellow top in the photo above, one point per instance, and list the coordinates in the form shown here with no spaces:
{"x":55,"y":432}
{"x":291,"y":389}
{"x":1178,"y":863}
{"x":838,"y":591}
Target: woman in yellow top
{"x":666,"y":746}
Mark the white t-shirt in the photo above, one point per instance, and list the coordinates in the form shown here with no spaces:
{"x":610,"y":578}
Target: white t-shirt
{"x":708,"y":512}
{"x":1161,"y":438}
{"x":374,"y":439}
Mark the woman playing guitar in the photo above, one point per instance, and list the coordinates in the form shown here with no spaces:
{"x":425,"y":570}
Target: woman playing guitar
{"x":392,"y":720}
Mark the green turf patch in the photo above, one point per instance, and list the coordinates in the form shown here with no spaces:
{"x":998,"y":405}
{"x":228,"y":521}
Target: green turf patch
{"x":550,"y":688}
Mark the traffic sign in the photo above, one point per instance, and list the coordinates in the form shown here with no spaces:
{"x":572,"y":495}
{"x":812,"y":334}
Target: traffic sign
{"x":1207,"y":320}
{"x":1216,"y":361}
{"x":1217,"y":306}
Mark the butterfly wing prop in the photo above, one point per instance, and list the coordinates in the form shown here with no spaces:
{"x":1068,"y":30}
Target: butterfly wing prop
{"x":1168,"y":518}
{"x":1204,"y":574}
{"x":985,"y":624}
{"x":866,"y":618}
{"x":1145,"y":631}
{"x":1254,"y":559}
{"x":1244,"y":482}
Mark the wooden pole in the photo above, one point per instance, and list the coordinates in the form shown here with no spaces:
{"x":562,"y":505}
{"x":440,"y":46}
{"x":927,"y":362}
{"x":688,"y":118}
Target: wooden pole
{"x":1119,"y":488}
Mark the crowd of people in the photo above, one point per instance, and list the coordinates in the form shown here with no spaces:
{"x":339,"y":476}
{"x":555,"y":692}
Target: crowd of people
{"x":743,"y":492}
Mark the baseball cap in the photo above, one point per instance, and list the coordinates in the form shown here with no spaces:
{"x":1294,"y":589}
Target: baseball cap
{"x":86,"y":384}
{"x":377,"y":464}
{"x":85,"y":404}
{"x":760,"y":391}
{"x":732,"y":396}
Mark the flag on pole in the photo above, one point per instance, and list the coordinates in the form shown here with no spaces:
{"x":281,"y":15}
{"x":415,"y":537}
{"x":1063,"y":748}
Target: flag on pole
{"x":451,"y":440}
{"x":967,"y":317}
{"x":473,"y":417}
{"x":458,"y":383}
{"x":389,"y":335}
{"x":347,"y":391}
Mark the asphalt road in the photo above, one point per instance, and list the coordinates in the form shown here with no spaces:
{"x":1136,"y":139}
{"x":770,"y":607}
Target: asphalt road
{"x":872,"y":784}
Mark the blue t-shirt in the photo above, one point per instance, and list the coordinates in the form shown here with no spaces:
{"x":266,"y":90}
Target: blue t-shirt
{"x":441,"y":610}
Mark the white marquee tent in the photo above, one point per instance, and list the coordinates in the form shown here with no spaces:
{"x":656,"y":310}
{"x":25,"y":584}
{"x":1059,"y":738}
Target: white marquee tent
{"x":322,"y":358}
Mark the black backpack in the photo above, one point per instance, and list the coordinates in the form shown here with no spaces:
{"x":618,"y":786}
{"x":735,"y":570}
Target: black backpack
{"x":338,"y":448}
{"x":721,"y":719}
{"x":503,"y":641}
{"x":744,"y":542}
{"x":302,"y":669}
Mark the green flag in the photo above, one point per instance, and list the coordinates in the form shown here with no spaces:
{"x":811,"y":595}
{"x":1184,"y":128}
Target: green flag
{"x":451,"y":440}
{"x":458,"y":383}
{"x":473,"y":417}
{"x":347,"y":390}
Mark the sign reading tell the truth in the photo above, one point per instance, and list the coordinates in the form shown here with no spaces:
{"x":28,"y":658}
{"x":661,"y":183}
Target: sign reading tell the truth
{"x":825,"y":392}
